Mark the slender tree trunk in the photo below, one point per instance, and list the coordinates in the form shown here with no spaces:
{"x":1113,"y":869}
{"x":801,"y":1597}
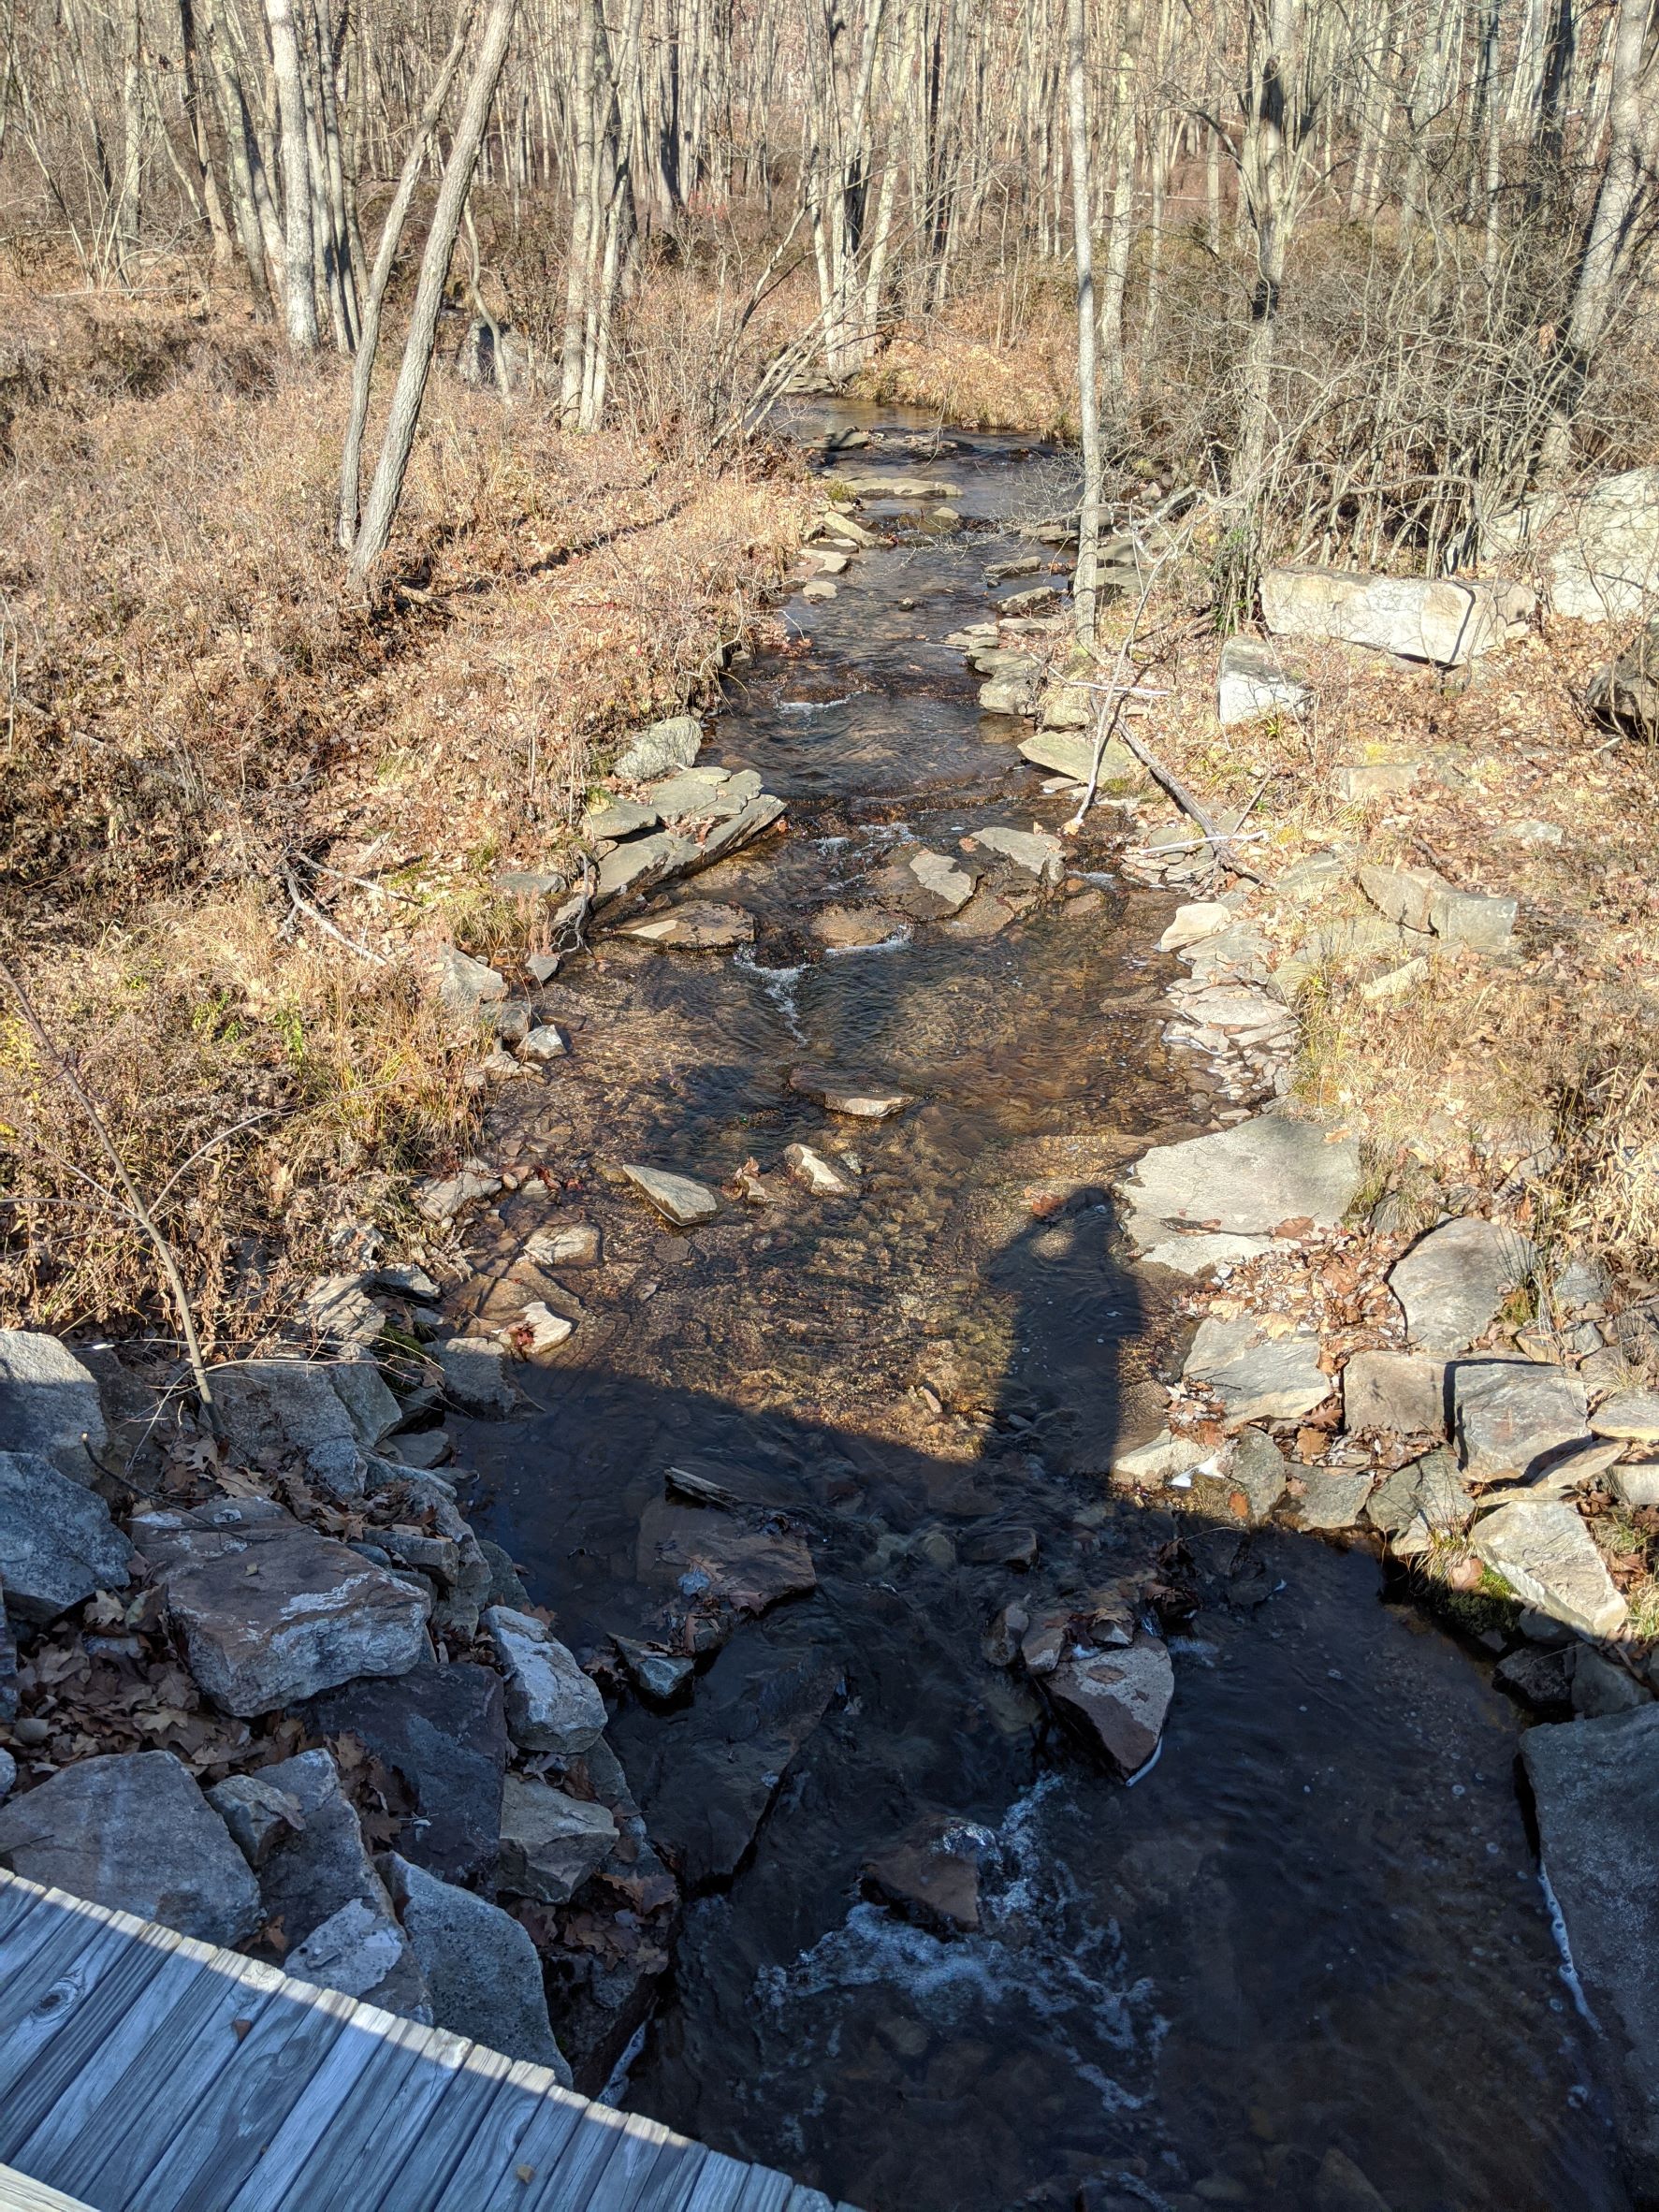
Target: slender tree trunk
{"x":1121,"y":237}
{"x":223,"y":251}
{"x":299,"y":272}
{"x":579,"y":275}
{"x":129,"y":208}
{"x":1088,"y":400}
{"x":386,"y":490}
{"x":385,"y":256}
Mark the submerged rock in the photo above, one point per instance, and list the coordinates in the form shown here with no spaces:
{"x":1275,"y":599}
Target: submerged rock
{"x":676,"y":1197}
{"x":699,"y":926}
{"x":852,"y":1095}
{"x":708,"y":1554}
{"x":131,"y":1831}
{"x":849,"y":929}
{"x":1121,"y":1697}
{"x":811,"y":1169}
{"x":931,"y":1874}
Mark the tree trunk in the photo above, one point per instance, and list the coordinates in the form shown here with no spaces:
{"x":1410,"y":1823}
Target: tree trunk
{"x":1121,"y":238}
{"x":299,"y":272}
{"x":1088,"y":400}
{"x":385,"y":256}
{"x":391,"y":469}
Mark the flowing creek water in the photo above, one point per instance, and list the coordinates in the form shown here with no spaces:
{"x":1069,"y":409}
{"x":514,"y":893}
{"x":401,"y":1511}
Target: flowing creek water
{"x":1316,"y":1924}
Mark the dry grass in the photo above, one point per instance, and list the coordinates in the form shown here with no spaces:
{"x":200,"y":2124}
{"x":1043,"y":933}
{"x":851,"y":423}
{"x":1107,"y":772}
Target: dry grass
{"x":199,"y":720}
{"x":1004,"y":360}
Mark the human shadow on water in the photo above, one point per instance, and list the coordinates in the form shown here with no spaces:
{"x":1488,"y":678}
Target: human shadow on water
{"x":1304,"y":1952}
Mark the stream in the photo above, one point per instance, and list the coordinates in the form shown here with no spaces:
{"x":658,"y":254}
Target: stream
{"x":1304,"y":1960}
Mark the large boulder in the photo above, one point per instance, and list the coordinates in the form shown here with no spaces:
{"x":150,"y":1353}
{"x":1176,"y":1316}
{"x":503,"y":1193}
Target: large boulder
{"x":1446,"y":619}
{"x":58,"y":1544}
{"x":1251,"y":1179}
{"x":662,"y":749}
{"x":1546,"y":1555}
{"x":1452,"y":1283}
{"x":443,"y":1732}
{"x":335,"y":1916}
{"x":49,"y":1403}
{"x":1596,"y":1784}
{"x":1597,"y":550}
{"x":133,"y":1832}
{"x":1626,"y":691}
{"x":479,"y":1965}
{"x":552,"y":1705}
{"x":1387,"y":1393}
{"x":271,"y":1613}
{"x":279,"y":1407}
{"x":1512,"y":1419}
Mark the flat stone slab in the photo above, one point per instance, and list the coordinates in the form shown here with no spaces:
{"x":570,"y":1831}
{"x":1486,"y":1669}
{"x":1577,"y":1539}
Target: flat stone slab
{"x":931,"y":1874}
{"x":1394,"y":1394}
{"x":1190,"y":1251}
{"x":1071,"y":752}
{"x":1149,"y":1466}
{"x":676,"y":1197}
{"x":133,"y":1832}
{"x":443,"y":1732}
{"x":705,"y":1554}
{"x":58,"y":1544}
{"x":1036,"y":852}
{"x":1596,"y":1784}
{"x":1202,"y":917}
{"x":551,"y":1842}
{"x":481,"y":1971}
{"x":1253,"y":680}
{"x":575,"y":1244}
{"x":852,"y":929}
{"x":1453,"y":1281}
{"x":552,"y":1705}
{"x":1546,"y":1555}
{"x":1631,"y":1414}
{"x":856,"y":1095}
{"x":1251,"y":1179}
{"x":924,"y":884}
{"x":1511,"y":1417}
{"x":48,"y":1402}
{"x":1258,"y":1376}
{"x":1333,"y":1497}
{"x":620,"y":818}
{"x":271,"y":1613}
{"x":475,"y":1373}
{"x":1121,"y":1697}
{"x":699,"y":926}
{"x":642,"y":862}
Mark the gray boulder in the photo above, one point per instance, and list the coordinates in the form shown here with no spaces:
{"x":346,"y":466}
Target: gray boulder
{"x":676,"y":1197}
{"x":1258,"y":1474}
{"x":552,"y":1705}
{"x":49,"y":1403}
{"x":551,"y":1842}
{"x":1626,"y":691}
{"x":1253,"y":680}
{"x":642,"y":862}
{"x":1446,"y":619}
{"x":258,"y":1815}
{"x":1475,"y":918}
{"x":133,"y":1832}
{"x":443,"y":1732}
{"x":1453,"y":1281}
{"x":278,"y":1406}
{"x":1632,"y":1416}
{"x":466,"y":986}
{"x":1598,"y":548}
{"x":1596,"y":1784}
{"x":319,"y":1882}
{"x":370,"y":1406}
{"x":474,"y":1371}
{"x":1403,"y":894}
{"x":271,"y":1613}
{"x":1334,"y":1498}
{"x":479,"y":1966}
{"x":661,"y":749}
{"x":58,"y":1544}
{"x":1250,"y":1179}
{"x":1258,"y":1376}
{"x":7,"y":1775}
{"x":1511,"y":1419}
{"x":1546,"y":1555}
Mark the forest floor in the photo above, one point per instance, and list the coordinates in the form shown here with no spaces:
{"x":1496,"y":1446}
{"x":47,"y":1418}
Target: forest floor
{"x":240,"y":813}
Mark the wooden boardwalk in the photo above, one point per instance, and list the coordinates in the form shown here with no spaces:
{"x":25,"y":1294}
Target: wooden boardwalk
{"x":143,"y":2071}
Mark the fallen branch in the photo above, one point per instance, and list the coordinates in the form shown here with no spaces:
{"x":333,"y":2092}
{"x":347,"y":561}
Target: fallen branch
{"x":63,"y":1073}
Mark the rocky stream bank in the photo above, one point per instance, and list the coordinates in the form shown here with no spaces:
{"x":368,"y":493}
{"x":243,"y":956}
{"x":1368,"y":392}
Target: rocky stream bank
{"x":903,"y":1366}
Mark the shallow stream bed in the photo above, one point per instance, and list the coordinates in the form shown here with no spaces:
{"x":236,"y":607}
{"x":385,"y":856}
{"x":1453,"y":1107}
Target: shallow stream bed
{"x":1304,"y":1960}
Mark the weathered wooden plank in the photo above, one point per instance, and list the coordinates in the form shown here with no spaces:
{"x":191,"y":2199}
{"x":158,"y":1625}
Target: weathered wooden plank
{"x":50,"y":1927}
{"x":22,"y":2193}
{"x":629,"y":2175}
{"x":116,"y":2014}
{"x":135,"y":2110}
{"x":211,"y":2149}
{"x":597,"y":2137}
{"x":529,"y":2125}
{"x":765,"y":2191}
{"x":17,"y":1899}
{"x":718,"y":2185}
{"x":317,"y":2150}
{"x":37,"y":1999}
{"x":414,"y":2169}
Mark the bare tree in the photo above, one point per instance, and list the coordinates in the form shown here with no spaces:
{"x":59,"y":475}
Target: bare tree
{"x":1088,"y":398}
